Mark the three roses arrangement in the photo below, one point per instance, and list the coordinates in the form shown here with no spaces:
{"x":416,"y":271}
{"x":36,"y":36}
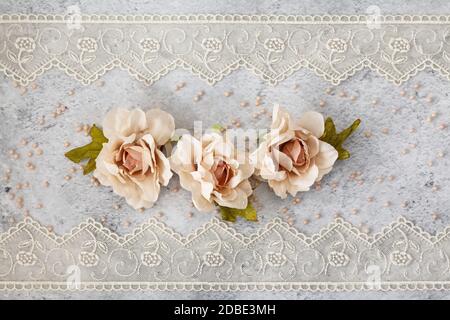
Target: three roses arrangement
{"x":130,"y":155}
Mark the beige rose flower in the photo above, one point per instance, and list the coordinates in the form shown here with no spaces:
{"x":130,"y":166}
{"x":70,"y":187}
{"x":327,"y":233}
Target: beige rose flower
{"x":131,"y":162}
{"x":210,"y":170}
{"x":292,"y":157}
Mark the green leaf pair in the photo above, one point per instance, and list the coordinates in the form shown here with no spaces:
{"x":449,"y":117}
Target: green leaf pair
{"x":337,"y":139}
{"x":90,"y":151}
{"x":231,"y":214}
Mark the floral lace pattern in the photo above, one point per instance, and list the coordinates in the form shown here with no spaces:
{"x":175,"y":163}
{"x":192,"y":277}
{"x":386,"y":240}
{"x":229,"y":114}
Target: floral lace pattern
{"x":212,"y":46}
{"x":216,"y":257}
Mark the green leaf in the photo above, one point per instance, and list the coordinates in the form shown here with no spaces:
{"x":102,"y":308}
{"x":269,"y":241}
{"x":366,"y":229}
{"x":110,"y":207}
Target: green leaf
{"x":89,"y":167}
{"x":97,"y":135}
{"x":337,"y":139}
{"x":89,"y":151}
{"x":230,"y":214}
{"x":175,"y":138}
{"x":218,"y":127}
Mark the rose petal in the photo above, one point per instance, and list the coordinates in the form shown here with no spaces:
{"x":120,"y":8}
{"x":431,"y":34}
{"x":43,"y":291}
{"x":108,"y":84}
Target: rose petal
{"x":282,"y":159}
{"x":276,"y":138}
{"x":111,"y":168}
{"x":281,"y":120}
{"x":279,"y":187}
{"x":256,"y":158}
{"x":163,"y":165}
{"x":313,"y":122}
{"x":186,"y":180}
{"x":206,"y":184}
{"x":244,"y":172}
{"x":270,"y":171}
{"x":201,"y":203}
{"x":187,"y":153}
{"x":246,"y":187}
{"x":161,"y":125}
{"x":303,"y":181}
{"x":113,"y":121}
{"x":149,"y":161}
{"x":135,"y":122}
{"x":325,"y":159}
{"x":313,"y":145}
{"x":121,"y":123}
{"x":223,"y":149}
{"x":236,"y":198}
{"x":149,"y":187}
{"x":207,"y":160}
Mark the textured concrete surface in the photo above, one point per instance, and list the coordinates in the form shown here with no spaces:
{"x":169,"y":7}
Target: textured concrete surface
{"x":412,"y":183}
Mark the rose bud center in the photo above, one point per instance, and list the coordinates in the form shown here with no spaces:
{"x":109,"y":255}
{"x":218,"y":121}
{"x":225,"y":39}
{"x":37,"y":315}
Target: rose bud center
{"x":297,"y":150}
{"x":222,"y":173}
{"x":135,"y":158}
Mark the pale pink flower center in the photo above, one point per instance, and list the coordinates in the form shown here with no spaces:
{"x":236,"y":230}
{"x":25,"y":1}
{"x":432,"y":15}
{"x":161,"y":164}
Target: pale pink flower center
{"x":297,"y":150}
{"x":132,"y":159}
{"x":223,"y":173}
{"x":135,"y":158}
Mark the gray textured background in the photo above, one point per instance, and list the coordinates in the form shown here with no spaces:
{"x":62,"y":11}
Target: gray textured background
{"x":67,"y":203}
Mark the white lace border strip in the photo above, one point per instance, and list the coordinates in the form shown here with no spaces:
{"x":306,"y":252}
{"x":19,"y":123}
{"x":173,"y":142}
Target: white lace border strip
{"x":85,"y":47}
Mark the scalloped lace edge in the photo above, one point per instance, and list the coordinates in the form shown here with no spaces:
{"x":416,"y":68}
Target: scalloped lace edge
{"x":335,"y":286}
{"x":239,"y":286}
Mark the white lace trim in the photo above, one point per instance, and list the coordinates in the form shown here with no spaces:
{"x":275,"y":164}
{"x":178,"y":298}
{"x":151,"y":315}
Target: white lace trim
{"x":212,"y":46}
{"x":216,"y":257}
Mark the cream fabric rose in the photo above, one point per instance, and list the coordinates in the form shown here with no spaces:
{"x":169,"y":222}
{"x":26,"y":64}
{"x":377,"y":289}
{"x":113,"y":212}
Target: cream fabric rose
{"x":292,"y":157}
{"x":210,"y":170}
{"x":131,"y":162}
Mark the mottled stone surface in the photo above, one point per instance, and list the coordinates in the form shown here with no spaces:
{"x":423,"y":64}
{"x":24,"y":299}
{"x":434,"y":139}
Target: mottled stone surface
{"x":400,"y":182}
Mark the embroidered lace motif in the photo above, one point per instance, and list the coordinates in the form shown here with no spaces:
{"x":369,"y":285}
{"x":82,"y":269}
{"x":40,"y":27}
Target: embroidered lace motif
{"x":216,"y":257}
{"x":212,"y":46}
